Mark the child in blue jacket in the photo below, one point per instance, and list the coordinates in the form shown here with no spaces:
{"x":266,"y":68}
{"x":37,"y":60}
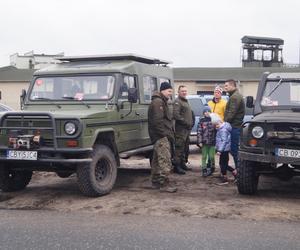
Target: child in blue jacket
{"x":223,"y":144}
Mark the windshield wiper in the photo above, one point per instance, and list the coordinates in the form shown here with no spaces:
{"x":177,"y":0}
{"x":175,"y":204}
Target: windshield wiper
{"x":276,"y":86}
{"x":72,"y":98}
{"x":47,"y":99}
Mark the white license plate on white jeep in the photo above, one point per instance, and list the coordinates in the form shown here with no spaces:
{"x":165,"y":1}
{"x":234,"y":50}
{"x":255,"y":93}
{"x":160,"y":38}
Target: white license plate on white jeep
{"x":293,"y":153}
{"x":21,"y":155}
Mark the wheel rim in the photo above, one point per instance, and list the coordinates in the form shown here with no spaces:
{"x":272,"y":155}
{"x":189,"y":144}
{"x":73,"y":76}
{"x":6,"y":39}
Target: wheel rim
{"x":102,"y":170}
{"x":11,"y":174}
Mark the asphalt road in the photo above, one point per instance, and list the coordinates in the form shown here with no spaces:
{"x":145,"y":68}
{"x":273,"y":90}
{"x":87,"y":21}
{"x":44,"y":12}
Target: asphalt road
{"x":21,"y":229}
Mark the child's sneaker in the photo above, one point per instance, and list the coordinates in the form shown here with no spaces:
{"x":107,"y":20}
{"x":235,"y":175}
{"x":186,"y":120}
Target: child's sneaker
{"x":224,"y":181}
{"x":204,"y":172}
{"x":208,"y":172}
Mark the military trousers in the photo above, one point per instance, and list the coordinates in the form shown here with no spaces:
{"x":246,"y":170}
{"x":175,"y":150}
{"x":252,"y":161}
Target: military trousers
{"x":161,"y":161}
{"x":181,"y":140}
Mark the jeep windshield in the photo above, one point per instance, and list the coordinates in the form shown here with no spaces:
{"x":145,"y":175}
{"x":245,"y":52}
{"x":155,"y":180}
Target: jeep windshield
{"x":281,"y":93}
{"x":73,"y":88}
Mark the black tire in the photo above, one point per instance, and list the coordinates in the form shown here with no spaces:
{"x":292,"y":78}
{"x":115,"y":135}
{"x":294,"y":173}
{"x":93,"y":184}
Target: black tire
{"x":98,"y":177}
{"x":247,"y":179}
{"x":13,"y":180}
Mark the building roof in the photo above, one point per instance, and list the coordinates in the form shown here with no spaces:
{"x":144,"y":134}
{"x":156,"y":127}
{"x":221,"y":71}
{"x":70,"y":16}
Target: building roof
{"x":222,"y":74}
{"x":12,"y":74}
{"x":262,"y":40}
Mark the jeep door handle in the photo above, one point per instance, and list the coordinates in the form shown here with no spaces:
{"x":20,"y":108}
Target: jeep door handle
{"x":137,"y":113}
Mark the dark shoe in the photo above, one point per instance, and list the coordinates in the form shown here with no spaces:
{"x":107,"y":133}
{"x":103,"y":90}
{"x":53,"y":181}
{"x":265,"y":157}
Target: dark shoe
{"x":178,"y":170}
{"x":208,"y":172}
{"x":224,"y":181}
{"x":204,"y":172}
{"x":185,"y":167}
{"x":155,"y":185}
{"x":212,"y":169}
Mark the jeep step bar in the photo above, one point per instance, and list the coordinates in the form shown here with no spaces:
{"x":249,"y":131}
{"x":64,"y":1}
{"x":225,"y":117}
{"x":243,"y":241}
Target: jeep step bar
{"x":127,"y":154}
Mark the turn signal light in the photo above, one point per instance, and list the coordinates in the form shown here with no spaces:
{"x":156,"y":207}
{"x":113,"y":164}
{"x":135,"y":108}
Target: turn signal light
{"x":252,"y":142}
{"x":72,"y":143}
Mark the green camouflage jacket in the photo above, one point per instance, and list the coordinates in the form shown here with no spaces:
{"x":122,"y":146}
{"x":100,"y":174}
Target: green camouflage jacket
{"x":160,"y":120}
{"x":183,"y":115}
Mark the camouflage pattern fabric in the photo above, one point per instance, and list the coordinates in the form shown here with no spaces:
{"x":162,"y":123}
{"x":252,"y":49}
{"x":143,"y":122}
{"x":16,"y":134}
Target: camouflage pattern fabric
{"x":161,"y":161}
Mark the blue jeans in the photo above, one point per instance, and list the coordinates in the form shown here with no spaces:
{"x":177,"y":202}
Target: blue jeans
{"x":235,"y":139}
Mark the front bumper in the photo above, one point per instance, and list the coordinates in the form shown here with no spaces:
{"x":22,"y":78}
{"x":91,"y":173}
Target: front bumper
{"x":266,"y":158}
{"x":50,"y":155}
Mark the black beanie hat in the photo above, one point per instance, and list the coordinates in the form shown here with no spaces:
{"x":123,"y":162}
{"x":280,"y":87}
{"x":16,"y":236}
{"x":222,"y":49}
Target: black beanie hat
{"x":165,"y":85}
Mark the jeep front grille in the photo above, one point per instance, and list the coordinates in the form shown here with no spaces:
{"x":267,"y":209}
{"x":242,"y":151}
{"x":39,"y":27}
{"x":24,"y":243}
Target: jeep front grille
{"x":23,"y":123}
{"x":283,"y":135}
{"x":284,"y":131}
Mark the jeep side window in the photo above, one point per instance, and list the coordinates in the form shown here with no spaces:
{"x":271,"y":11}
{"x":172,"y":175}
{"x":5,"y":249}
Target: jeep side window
{"x":149,"y":86}
{"x":128,"y":82}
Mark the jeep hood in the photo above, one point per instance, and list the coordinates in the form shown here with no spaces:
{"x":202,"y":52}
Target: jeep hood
{"x":81,"y":114}
{"x":277,"y":116}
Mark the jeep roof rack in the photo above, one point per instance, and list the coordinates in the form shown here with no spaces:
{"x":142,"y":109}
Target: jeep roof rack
{"x":133,"y":57}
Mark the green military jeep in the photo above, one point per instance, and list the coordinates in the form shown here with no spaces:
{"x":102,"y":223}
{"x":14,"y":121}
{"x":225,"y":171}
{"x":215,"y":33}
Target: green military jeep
{"x":270,"y":142}
{"x":81,"y":116}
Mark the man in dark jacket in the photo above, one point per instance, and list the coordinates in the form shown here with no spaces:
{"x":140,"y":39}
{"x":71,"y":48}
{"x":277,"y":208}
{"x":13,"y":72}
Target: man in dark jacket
{"x":234,"y":114}
{"x":160,"y":125}
{"x":183,"y":116}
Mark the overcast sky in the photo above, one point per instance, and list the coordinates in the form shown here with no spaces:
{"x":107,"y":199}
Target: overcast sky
{"x":190,"y":33}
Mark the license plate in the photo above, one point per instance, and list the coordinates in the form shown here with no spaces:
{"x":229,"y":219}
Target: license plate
{"x":22,"y":155}
{"x":294,"y":153}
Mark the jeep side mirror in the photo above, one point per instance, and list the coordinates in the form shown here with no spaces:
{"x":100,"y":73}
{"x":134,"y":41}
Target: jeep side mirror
{"x":249,"y":102}
{"x":132,"y":95}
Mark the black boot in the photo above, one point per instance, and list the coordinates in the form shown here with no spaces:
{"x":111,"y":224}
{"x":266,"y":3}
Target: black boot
{"x":185,"y":167}
{"x":178,"y":169}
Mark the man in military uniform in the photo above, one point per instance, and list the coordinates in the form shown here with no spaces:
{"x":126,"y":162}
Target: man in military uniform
{"x":160,"y":125}
{"x":183,"y":116}
{"x":234,"y":114}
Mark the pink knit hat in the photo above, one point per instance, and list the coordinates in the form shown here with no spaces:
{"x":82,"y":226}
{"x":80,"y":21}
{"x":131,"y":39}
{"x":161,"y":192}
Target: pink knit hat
{"x":218,"y":89}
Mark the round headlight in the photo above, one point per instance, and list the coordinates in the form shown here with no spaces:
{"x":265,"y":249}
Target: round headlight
{"x":70,"y":128}
{"x":257,"y":132}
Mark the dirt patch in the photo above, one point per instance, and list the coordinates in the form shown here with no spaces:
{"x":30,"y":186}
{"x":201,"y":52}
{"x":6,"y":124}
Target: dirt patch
{"x":196,"y":196}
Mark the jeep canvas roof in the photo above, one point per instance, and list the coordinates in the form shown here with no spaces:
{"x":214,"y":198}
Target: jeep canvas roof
{"x":132,"y":57}
{"x":103,"y":63}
